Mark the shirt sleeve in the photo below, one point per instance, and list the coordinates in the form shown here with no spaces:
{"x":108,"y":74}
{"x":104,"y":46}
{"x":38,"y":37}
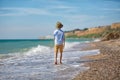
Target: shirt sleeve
{"x":55,"y":33}
{"x":63,"y":35}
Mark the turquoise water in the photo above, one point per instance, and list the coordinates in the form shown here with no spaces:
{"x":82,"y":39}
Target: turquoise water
{"x":12,"y":46}
{"x":21,"y":45}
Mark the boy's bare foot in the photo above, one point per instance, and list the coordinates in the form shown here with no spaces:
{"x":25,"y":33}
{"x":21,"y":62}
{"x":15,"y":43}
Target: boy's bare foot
{"x":60,"y":62}
{"x":55,"y":63}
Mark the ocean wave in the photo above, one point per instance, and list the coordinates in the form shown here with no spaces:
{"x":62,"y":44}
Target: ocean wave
{"x":42,"y":49}
{"x":37,"y":50}
{"x":27,"y":52}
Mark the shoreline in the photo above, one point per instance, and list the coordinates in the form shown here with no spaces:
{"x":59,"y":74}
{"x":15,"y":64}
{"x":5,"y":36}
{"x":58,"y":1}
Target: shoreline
{"x":104,"y":66}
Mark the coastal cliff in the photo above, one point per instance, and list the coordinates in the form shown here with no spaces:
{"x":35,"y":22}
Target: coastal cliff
{"x":111,"y":31}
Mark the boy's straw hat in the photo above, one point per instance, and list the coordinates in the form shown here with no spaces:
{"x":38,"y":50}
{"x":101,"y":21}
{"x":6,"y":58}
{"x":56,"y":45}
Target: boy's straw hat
{"x":59,"y":25}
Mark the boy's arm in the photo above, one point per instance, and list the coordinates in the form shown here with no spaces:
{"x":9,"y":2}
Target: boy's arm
{"x":64,"y":41}
{"x":54,"y":39}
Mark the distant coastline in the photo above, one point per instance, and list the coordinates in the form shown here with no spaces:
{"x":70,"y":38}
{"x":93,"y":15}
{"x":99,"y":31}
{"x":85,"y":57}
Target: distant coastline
{"x":95,"y":32}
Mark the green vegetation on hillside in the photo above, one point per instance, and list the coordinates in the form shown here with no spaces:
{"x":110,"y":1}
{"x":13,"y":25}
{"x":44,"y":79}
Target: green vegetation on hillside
{"x":86,"y":36}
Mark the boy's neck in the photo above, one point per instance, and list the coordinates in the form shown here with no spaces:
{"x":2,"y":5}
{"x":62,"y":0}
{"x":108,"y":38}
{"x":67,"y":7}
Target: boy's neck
{"x":58,"y":28}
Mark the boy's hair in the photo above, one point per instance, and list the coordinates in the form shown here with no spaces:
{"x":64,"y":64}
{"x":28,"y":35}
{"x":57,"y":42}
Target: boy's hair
{"x":59,"y":25}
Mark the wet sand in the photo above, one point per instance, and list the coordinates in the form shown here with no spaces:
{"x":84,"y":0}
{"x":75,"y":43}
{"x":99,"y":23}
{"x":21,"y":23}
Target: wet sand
{"x":104,"y":66}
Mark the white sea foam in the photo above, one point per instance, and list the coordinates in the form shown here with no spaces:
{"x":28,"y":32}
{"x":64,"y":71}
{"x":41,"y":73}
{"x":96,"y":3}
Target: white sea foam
{"x":38,"y":50}
{"x":97,"y":40}
{"x":87,"y":41}
{"x":69,"y":45}
{"x":45,"y":49}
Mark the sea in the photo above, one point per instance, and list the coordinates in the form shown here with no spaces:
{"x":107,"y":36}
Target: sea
{"x":33,"y":59}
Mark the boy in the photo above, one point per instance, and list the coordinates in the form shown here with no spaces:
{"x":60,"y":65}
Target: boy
{"x":59,"y":40}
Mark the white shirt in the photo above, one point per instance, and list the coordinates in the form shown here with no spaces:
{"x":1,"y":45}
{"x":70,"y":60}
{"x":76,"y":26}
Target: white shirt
{"x":59,"y":37}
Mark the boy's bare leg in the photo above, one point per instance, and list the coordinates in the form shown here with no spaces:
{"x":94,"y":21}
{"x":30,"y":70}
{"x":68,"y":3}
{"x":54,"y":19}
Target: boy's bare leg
{"x":56,"y":58}
{"x":61,"y":51}
{"x":56,"y":53}
{"x":61,"y":58}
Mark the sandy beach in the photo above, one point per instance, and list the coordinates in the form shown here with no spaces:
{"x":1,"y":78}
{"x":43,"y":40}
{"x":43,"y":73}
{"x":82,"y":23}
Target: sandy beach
{"x":104,"y":66}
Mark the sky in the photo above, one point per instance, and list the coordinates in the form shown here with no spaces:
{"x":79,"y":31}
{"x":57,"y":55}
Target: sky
{"x":31,"y":19}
